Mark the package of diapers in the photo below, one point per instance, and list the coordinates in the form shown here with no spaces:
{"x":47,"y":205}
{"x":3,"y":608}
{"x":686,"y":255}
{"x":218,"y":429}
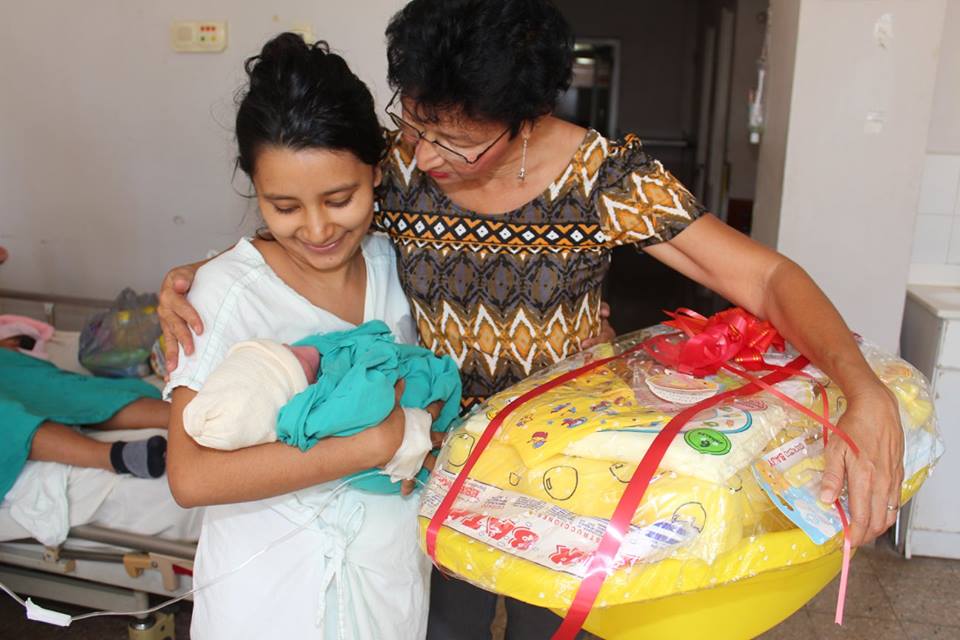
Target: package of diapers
{"x":731,"y":497}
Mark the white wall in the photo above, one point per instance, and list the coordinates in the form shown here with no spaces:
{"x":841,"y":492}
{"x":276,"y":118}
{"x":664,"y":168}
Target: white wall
{"x":936,"y":239}
{"x":847,"y":201}
{"x":116,"y":152}
{"x":784,"y":32}
{"x":748,"y":44}
{"x":945,"y":119}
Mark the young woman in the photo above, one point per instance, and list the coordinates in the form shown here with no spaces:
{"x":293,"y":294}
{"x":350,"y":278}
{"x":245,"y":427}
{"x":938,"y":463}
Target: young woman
{"x":309,"y":140}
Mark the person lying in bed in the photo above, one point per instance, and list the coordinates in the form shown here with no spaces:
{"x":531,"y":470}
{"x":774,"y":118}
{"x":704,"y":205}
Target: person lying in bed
{"x":40,"y":403}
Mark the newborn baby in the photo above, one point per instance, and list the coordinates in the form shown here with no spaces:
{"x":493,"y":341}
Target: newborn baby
{"x":264,"y":391}
{"x":239,"y":404}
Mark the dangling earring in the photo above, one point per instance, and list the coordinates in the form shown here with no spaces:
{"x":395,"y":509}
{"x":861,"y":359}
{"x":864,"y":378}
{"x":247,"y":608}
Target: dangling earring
{"x":522,"y":175}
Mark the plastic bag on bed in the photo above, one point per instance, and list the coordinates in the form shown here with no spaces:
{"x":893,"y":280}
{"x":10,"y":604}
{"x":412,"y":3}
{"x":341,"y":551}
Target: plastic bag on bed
{"x":117,"y":343}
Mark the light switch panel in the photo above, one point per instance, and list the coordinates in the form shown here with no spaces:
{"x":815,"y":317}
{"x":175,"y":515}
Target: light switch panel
{"x":198,"y":37}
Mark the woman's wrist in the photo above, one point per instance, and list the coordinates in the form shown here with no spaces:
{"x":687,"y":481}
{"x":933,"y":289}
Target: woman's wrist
{"x":376,"y":446}
{"x":866,"y":389}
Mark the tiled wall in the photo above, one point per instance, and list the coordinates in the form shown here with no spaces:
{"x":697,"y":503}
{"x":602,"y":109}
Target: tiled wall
{"x":936,"y":238}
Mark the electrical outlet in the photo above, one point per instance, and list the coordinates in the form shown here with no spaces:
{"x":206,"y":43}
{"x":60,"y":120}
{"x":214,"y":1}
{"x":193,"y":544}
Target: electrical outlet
{"x":198,"y":37}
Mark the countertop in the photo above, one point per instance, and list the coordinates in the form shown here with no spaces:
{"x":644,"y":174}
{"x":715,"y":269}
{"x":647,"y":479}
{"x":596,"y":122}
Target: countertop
{"x":941,"y":300}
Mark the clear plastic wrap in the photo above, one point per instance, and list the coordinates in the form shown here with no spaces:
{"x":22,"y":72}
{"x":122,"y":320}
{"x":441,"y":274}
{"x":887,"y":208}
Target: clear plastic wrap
{"x":723,"y":506}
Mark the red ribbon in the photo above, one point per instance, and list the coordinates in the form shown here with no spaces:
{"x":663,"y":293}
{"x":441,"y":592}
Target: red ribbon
{"x":729,"y":336}
{"x":737,"y":336}
{"x":734,"y":335}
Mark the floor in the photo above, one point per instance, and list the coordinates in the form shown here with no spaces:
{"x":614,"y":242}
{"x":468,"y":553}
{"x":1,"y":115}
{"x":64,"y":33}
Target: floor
{"x":888,"y":598}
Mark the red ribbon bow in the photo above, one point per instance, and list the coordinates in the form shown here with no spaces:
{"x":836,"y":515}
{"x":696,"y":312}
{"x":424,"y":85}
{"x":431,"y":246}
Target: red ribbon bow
{"x":729,"y":336}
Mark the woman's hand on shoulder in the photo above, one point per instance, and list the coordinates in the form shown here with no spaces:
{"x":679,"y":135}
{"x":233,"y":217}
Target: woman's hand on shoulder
{"x":177,"y":316}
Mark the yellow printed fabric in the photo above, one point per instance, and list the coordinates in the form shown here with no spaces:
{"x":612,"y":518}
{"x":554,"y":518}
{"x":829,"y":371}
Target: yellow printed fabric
{"x":571,"y":412}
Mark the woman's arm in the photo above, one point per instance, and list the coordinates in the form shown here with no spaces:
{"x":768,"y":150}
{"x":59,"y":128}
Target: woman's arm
{"x":774,"y":288}
{"x":200,"y":476}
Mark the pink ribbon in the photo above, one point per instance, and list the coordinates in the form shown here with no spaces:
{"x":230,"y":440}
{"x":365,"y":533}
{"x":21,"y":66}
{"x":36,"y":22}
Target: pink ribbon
{"x":827,"y":427}
{"x":845,"y":566}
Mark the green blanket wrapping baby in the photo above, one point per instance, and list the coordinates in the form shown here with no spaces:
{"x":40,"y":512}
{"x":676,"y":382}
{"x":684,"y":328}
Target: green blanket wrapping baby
{"x":261,"y":393}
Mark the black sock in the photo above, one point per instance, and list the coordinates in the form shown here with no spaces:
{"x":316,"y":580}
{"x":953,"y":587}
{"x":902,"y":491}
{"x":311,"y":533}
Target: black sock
{"x":143,"y":458}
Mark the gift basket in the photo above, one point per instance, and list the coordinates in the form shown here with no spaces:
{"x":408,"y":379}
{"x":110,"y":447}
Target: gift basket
{"x":665,"y":483}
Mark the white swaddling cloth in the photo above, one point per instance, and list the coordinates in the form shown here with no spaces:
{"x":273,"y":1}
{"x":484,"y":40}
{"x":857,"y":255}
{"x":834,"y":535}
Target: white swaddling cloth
{"x":240,"y":401}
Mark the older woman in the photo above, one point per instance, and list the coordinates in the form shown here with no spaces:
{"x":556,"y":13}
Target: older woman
{"x":504,"y":218}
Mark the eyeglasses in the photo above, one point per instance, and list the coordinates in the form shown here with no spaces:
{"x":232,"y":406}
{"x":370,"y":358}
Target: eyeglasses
{"x":411,"y":131}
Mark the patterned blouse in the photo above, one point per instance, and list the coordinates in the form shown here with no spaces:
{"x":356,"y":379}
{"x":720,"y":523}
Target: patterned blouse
{"x":507,"y":294}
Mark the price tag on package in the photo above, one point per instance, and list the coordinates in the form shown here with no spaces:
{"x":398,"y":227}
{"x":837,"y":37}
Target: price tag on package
{"x":790,"y":475}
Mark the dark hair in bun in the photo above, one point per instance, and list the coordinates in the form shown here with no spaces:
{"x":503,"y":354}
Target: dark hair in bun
{"x":302,"y":96}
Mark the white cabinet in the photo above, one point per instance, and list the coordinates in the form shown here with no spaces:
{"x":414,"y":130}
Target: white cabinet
{"x":930,"y":339}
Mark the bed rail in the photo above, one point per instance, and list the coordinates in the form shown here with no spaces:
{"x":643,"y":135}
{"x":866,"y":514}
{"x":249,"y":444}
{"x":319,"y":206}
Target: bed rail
{"x":67,"y":313}
{"x":150,"y":544}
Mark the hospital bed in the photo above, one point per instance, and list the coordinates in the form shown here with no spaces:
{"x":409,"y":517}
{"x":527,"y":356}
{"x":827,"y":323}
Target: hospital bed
{"x":126,"y":537}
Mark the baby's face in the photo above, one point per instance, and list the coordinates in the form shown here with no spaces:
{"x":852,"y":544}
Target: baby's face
{"x":309,"y":359}
{"x":12,"y":343}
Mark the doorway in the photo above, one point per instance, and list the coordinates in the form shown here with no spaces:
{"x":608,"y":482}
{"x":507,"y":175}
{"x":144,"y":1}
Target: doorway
{"x":678,"y":75}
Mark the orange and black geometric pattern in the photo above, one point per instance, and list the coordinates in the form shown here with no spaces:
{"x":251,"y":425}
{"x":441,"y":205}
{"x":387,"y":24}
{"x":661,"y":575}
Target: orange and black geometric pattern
{"x":505,"y":295}
{"x":492,"y":235}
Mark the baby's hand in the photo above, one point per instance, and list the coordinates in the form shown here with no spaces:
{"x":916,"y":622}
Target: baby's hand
{"x":436,"y":439}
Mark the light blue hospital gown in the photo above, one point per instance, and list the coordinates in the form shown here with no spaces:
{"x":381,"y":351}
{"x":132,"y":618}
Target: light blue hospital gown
{"x":357,"y":572}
